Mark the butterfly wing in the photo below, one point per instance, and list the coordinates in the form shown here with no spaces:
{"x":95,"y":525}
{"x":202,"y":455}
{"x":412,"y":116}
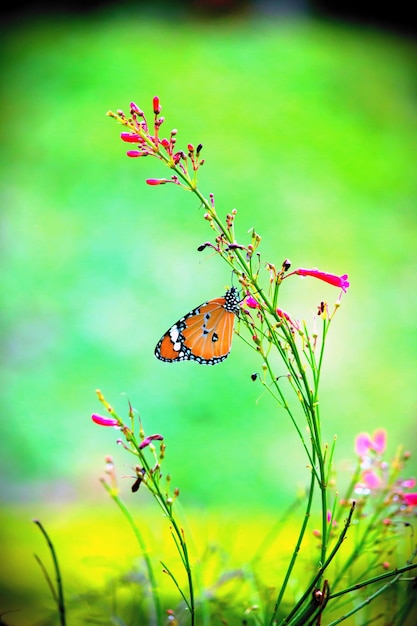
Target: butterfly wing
{"x":203,"y":335}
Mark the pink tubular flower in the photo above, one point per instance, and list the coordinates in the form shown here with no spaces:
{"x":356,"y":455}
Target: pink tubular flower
{"x":157,"y":181}
{"x":364,"y":442}
{"x":332,"y":279}
{"x":104,"y":421}
{"x":148,"y":440}
{"x":283,"y":314}
{"x":410,"y":499}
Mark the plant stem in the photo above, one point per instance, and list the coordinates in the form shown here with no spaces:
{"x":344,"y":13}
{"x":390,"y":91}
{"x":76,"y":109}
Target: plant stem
{"x":295,"y":553}
{"x":294,"y":617}
{"x":154,"y":585}
{"x":59,"y":595}
{"x":368,"y":600}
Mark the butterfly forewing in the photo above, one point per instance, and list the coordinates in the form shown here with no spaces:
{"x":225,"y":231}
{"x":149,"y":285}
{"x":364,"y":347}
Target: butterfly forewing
{"x":203,"y":335}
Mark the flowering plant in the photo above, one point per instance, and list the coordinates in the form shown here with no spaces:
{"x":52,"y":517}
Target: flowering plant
{"x":377,"y":505}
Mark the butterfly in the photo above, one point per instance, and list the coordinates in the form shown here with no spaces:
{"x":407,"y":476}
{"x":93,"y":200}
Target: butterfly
{"x":204,"y":334}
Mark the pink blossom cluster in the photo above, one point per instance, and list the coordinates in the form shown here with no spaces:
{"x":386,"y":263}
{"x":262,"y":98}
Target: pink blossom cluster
{"x":150,"y":144}
{"x":379,"y":476}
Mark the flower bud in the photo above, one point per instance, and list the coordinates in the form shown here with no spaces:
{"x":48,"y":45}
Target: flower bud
{"x":156,"y":105}
{"x":104,"y":421}
{"x":130,"y":137}
{"x":148,"y":440}
{"x":156,"y":181}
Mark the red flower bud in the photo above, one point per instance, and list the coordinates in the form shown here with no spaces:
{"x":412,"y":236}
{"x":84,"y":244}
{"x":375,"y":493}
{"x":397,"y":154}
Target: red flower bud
{"x":156,"y":105}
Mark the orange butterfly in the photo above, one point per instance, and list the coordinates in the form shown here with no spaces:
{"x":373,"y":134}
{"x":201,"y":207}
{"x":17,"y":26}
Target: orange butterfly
{"x":204,"y":334}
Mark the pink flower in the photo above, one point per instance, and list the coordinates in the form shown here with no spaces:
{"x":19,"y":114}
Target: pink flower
{"x":408,"y":483}
{"x":252,"y":303}
{"x":104,"y":421}
{"x":410,"y":499}
{"x":372,"y":480}
{"x":148,"y":440}
{"x":379,"y":440}
{"x":332,"y":279}
{"x":364,"y":442}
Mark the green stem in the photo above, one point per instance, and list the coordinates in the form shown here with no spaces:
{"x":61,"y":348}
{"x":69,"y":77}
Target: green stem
{"x":59,"y":595}
{"x":375,"y":579}
{"x":366,"y":537}
{"x":151,"y":480}
{"x":294,"y":618}
{"x":295,"y":553}
{"x":177,"y":532}
{"x":368,"y":600}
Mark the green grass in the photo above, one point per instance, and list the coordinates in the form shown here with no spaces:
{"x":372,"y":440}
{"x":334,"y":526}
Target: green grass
{"x":308,"y":130}
{"x":104,"y":576}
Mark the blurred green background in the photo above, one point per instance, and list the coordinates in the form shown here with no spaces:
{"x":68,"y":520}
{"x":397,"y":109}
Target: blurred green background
{"x":309,"y":131}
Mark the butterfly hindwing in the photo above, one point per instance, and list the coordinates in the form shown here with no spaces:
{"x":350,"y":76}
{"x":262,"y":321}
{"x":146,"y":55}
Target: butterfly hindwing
{"x":203,"y":335}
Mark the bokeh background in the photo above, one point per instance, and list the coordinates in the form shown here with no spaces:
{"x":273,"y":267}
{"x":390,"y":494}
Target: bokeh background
{"x":308,"y":124}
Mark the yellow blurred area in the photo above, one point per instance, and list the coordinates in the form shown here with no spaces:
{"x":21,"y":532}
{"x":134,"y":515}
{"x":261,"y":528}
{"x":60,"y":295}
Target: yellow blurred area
{"x":237,"y":560}
{"x":96,"y":550}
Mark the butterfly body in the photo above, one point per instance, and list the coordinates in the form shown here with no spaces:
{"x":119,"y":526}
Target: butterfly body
{"x":204,"y":334}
